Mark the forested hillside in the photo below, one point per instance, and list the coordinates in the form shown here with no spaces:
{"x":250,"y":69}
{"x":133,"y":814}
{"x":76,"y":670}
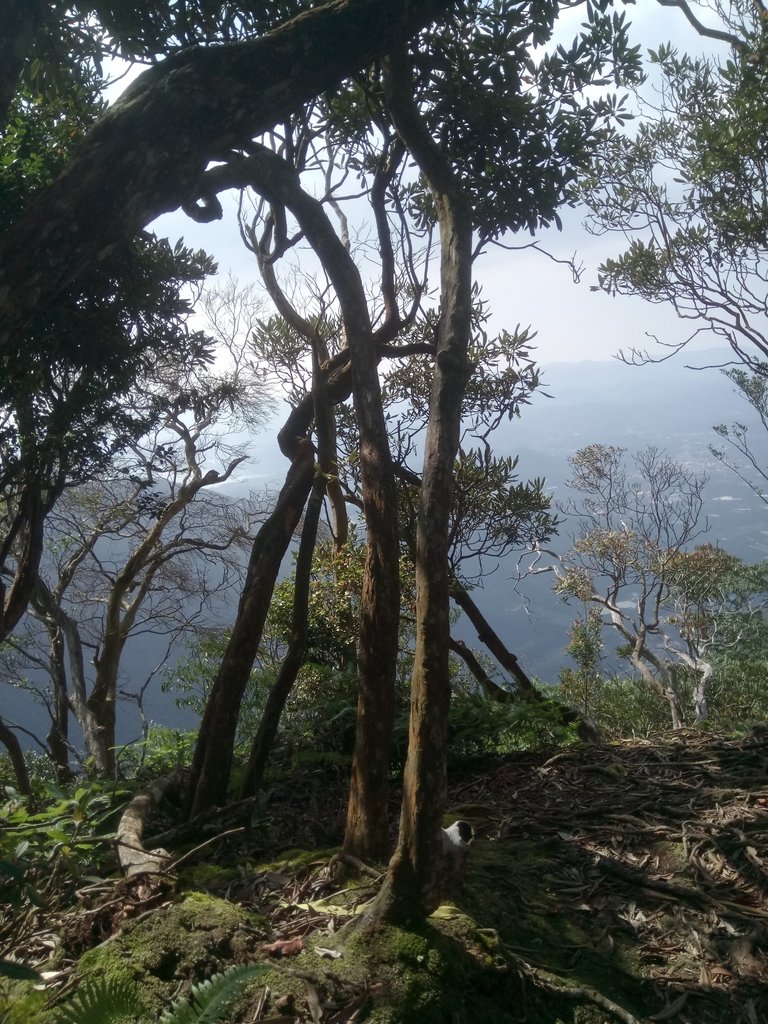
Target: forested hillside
{"x":464,"y":711}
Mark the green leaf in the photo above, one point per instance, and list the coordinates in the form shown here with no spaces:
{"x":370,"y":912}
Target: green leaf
{"x":100,"y":1002}
{"x":209,"y":1001}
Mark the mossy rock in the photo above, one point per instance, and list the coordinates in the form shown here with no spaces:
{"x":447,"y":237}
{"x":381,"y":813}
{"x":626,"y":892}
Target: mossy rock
{"x":160,"y":957}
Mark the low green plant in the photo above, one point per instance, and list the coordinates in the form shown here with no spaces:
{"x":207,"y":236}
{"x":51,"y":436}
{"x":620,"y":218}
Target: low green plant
{"x":98,"y":1002}
{"x":49,"y":840}
{"x":619,"y":706}
{"x":108,"y":1002}
{"x":160,"y":752}
{"x":209,"y":1001}
{"x":17,"y":971}
{"x":739,"y":693}
{"x":478,"y":725}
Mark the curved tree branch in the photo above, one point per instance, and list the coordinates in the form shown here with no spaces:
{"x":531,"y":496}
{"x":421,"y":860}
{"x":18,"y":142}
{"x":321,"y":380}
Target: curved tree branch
{"x":709,"y":33}
{"x":146,"y":154}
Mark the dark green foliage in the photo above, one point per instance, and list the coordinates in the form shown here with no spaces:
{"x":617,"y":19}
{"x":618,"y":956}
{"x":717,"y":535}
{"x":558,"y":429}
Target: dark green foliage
{"x":66,"y":407}
{"x":145,"y":30}
{"x":585,"y":647}
{"x":620,"y":707}
{"x":478,"y":726}
{"x":209,"y":1000}
{"x":515,"y":122}
{"x":160,"y":752}
{"x":98,"y":1002}
{"x":624,"y":707}
{"x":17,"y":971}
{"x":740,"y":691}
{"x":58,"y":832}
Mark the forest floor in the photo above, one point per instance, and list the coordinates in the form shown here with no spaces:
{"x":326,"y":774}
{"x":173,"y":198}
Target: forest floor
{"x":624,"y":883}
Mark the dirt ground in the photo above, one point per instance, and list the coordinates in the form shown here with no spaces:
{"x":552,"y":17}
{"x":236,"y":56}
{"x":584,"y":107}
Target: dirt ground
{"x":625,"y":883}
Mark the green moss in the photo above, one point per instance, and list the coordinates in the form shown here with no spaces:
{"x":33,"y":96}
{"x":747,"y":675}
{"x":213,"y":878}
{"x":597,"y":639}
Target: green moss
{"x":161,"y":956}
{"x":19,"y":1003}
{"x":208,"y":876}
{"x":295,"y":861}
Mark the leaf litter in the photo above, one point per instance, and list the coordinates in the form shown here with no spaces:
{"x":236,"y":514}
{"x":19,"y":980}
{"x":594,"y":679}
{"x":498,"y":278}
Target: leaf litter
{"x":632,"y":877}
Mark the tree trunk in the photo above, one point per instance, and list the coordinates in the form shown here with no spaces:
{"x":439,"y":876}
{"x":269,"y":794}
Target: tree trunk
{"x":664,"y":684}
{"x":488,"y":636}
{"x":675,"y":708}
{"x":147,"y":152}
{"x":58,"y":734}
{"x":8,"y":739}
{"x":294,"y":658}
{"x":490,"y":689}
{"x":410,"y":891}
{"x":704,"y":674}
{"x":587,"y":730}
{"x":367,"y":831}
{"x":26,"y":533}
{"x":212,"y":761}
{"x":97,"y":745}
{"x":129,"y":838}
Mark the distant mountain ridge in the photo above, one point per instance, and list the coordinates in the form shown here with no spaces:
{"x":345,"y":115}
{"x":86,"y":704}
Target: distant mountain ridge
{"x":664,"y":404}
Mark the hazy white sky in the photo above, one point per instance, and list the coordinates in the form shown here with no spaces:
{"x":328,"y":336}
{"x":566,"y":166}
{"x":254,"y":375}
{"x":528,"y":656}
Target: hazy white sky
{"x":572,"y":322}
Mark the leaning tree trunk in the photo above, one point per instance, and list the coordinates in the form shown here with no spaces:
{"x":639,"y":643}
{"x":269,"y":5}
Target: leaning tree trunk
{"x":587,"y":730}
{"x":409,"y":891}
{"x":297,"y":648}
{"x":212,"y":760}
{"x":367,"y":832}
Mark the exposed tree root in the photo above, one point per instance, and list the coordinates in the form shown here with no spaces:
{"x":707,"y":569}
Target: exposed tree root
{"x":134,"y":858}
{"x":580,"y":992}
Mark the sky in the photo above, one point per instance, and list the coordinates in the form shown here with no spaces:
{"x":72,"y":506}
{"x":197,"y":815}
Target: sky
{"x":572,"y":323}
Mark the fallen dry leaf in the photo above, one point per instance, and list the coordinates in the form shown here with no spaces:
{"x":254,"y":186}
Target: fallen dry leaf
{"x":284,"y":947}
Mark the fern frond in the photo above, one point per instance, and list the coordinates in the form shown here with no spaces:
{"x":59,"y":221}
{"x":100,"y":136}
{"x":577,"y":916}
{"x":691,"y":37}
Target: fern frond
{"x":98,"y":1002}
{"x":209,"y":1001}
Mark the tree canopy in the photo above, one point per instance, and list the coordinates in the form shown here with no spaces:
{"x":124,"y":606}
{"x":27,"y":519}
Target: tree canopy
{"x":454,"y":123}
{"x":689,"y":190}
